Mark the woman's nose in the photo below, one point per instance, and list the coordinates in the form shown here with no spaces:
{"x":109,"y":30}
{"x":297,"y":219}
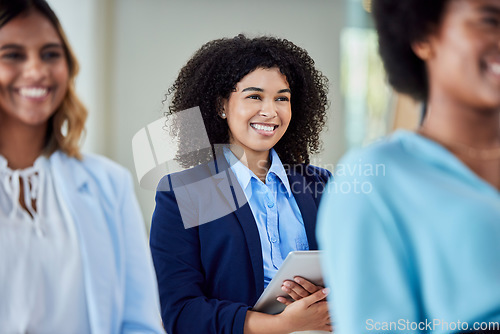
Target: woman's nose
{"x":35,"y":68}
{"x":268,"y":109}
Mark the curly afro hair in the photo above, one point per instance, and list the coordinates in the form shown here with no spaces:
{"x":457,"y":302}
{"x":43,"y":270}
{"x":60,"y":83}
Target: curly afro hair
{"x":211,"y":75}
{"x":399,"y":24}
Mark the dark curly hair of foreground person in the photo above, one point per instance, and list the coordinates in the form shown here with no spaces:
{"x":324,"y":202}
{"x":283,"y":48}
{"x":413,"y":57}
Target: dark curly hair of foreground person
{"x":399,"y":24}
{"x":211,"y":75}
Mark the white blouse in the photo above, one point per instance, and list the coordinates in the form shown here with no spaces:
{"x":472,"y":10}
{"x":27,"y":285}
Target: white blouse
{"x":41,"y":275}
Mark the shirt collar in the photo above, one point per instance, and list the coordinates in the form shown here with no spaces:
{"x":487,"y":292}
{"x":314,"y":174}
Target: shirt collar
{"x":244,"y":175}
{"x":3,"y":163}
{"x":278,"y":169}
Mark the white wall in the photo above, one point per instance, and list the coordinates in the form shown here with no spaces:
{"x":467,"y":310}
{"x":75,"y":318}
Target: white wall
{"x":132,"y":50}
{"x":86,"y":28}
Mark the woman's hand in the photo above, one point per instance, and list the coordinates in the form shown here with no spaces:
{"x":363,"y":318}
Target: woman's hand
{"x":308,"y":313}
{"x":298,"y":289}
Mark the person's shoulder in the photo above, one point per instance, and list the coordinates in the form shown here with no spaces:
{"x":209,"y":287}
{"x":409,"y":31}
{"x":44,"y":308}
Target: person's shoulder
{"x":96,"y":163}
{"x":187,"y":176}
{"x":379,"y":164}
{"x":93,"y":163}
{"x":383,"y":150}
{"x":107,"y":174}
{"x":103,"y":168}
{"x":310,"y":171}
{"x":319,"y":171}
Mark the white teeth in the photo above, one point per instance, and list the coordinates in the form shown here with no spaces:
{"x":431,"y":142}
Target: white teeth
{"x":495,"y":68}
{"x":262,"y":127}
{"x":33,"y":92}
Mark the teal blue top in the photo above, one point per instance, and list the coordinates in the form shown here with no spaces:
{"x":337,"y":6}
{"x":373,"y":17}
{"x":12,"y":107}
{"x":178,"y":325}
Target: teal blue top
{"x":412,"y":240}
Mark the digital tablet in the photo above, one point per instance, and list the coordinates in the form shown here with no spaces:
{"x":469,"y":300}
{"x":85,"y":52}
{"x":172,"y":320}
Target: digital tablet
{"x":299,"y":263}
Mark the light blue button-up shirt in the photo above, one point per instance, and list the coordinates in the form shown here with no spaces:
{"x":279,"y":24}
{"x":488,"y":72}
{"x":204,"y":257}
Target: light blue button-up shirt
{"x":278,"y":218}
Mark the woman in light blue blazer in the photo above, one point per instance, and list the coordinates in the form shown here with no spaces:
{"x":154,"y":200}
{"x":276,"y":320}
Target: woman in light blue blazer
{"x":73,"y":251}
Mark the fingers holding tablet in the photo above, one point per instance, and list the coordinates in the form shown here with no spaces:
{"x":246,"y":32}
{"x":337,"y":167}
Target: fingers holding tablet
{"x":299,"y":288}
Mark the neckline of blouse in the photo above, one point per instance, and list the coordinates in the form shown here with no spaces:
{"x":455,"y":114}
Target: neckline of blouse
{"x":32,"y":178}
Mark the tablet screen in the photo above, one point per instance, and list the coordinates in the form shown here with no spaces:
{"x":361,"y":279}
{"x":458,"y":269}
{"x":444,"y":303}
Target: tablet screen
{"x":299,"y":263}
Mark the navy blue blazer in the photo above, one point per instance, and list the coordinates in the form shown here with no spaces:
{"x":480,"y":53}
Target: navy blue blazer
{"x":210,"y":275}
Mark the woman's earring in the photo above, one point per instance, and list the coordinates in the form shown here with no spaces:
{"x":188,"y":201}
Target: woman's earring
{"x":223,"y":115}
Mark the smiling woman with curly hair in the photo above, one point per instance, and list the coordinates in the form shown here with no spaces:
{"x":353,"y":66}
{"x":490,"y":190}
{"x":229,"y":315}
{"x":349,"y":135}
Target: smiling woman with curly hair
{"x":215,"y":69}
{"x":265,"y":101}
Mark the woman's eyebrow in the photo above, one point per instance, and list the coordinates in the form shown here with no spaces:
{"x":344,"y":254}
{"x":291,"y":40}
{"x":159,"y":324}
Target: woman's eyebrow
{"x":52,"y":45}
{"x":11,"y":46}
{"x":18,"y":47}
{"x":257,"y":89}
{"x":490,"y":9}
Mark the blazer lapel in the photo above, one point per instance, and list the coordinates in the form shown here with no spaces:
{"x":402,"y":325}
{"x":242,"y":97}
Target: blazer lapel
{"x":303,"y":193}
{"x":247,"y":222}
{"x":93,"y":236}
{"x":246,"y":219}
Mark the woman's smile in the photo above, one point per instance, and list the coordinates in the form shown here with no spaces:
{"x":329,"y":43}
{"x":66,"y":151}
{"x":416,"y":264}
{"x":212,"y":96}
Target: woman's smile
{"x":264,"y":129}
{"x":33,"y":93}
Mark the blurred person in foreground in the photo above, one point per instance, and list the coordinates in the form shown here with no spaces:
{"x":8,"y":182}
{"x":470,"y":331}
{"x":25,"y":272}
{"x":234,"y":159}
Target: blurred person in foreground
{"x":73,"y":250}
{"x":415,"y":247}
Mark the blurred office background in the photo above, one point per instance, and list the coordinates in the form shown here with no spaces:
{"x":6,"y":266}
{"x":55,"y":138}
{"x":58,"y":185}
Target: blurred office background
{"x":130,"y":52}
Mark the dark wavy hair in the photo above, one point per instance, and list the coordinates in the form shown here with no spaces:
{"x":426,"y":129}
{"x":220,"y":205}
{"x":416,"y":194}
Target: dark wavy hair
{"x":213,"y":72}
{"x":67,"y":124}
{"x":399,"y":24}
